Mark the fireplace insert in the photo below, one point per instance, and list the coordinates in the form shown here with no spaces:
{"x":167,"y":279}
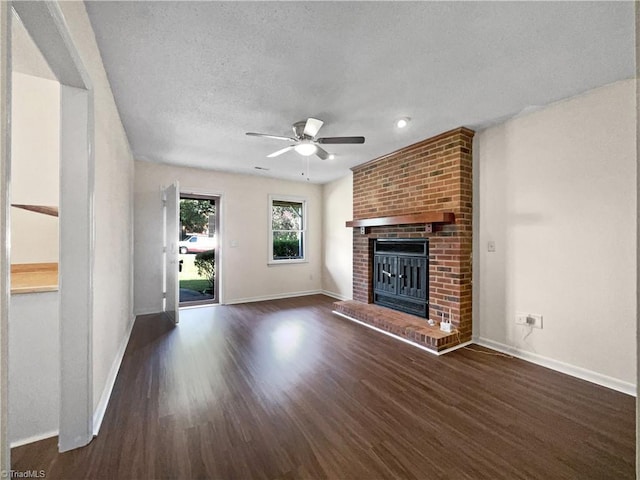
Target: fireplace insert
{"x":401,"y":274}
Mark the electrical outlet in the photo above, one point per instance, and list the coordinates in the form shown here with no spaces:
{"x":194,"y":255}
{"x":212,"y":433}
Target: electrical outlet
{"x":529,"y":319}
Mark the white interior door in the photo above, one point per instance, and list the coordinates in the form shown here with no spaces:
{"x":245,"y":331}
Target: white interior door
{"x":171,"y":201}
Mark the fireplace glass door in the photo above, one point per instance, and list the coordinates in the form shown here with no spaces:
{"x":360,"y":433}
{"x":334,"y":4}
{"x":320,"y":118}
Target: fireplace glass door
{"x":401,"y":275}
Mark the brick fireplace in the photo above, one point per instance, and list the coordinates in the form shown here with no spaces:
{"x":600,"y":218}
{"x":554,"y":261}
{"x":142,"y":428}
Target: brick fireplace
{"x":421,"y":191}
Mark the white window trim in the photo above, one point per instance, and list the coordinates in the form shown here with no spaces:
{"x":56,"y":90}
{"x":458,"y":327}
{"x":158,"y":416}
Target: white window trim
{"x":305,"y":256}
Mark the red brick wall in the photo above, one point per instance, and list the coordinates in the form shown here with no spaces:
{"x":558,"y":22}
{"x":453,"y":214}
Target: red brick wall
{"x":434,"y":175}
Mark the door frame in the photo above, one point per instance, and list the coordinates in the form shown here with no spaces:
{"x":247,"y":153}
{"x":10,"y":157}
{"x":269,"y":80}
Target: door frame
{"x":216,"y":288}
{"x":5,"y":225}
{"x":47,"y":27}
{"x":220,"y":209}
{"x":170,"y":251}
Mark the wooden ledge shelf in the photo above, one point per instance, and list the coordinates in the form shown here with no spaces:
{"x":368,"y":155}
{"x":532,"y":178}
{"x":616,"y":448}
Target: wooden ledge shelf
{"x":415,"y":218}
{"x":34,"y":277}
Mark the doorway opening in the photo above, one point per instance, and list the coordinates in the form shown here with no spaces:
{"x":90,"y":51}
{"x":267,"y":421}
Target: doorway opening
{"x":49,"y":50}
{"x":198,"y":249}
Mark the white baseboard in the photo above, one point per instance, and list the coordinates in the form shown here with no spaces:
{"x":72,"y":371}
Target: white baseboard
{"x":146,"y":311}
{"x":392,"y":335}
{"x":35,"y":438}
{"x":578,"y":372}
{"x":98,"y":414}
{"x":277,"y":296}
{"x":337,"y":296}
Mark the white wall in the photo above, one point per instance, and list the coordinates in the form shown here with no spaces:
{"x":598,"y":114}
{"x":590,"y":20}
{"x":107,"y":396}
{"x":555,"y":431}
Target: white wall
{"x":5,"y":241}
{"x":244,"y":218}
{"x":557,"y":195}
{"x":34,"y":363}
{"x":34,"y":355}
{"x":35,"y":164}
{"x":337,"y":244}
{"x":637,"y":14}
{"x":25,"y":55}
{"x":113,"y":288}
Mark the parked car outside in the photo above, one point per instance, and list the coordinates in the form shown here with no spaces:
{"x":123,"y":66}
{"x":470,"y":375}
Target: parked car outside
{"x":197,"y":244}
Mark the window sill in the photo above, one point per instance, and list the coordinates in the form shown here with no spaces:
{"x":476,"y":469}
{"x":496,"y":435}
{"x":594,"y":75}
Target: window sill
{"x":286,"y":262}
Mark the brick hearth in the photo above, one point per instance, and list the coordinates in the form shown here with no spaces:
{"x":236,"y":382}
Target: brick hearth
{"x":401,"y":324}
{"x":434,"y":175}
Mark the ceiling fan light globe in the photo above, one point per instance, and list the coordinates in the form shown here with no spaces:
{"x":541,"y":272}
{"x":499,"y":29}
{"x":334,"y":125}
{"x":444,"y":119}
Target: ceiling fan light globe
{"x":306,"y":149}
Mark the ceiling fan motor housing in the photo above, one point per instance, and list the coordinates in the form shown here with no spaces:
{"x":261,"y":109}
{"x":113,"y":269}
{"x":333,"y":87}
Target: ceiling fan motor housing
{"x":298,"y":130}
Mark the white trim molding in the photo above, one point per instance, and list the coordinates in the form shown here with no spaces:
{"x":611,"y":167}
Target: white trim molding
{"x":101,"y":408}
{"x":5,"y":228}
{"x":302,"y":231}
{"x":148,"y":311}
{"x":34,"y":438}
{"x":566,"y":368}
{"x":337,"y":296}
{"x":277,"y":296}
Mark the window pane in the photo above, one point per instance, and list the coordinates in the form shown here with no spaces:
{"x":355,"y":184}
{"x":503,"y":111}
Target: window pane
{"x":287,"y":245}
{"x":286,"y":215}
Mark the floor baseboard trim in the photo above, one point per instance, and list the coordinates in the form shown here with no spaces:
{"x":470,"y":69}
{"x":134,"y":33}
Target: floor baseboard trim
{"x":392,"y":335}
{"x":34,"y":438}
{"x":98,"y":414}
{"x":277,"y":296}
{"x":337,"y":296}
{"x":568,"y":369}
{"x":147,"y":311}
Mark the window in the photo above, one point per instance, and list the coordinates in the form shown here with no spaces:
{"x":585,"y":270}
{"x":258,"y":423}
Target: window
{"x":287,"y":229}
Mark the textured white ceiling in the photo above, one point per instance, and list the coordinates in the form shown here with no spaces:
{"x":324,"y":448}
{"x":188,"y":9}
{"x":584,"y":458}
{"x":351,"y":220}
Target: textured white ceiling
{"x":190,"y":79}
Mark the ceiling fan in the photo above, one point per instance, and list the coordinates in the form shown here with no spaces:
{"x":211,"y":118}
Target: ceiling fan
{"x":305,"y":142}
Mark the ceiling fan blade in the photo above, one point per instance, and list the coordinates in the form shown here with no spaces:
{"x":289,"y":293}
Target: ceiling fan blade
{"x":266,"y":135}
{"x":280,"y":152}
{"x":312,"y":127}
{"x":321,"y":153}
{"x":340,"y":140}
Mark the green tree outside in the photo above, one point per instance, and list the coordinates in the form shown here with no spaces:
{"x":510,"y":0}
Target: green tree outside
{"x":194,"y":214}
{"x":287,"y":222}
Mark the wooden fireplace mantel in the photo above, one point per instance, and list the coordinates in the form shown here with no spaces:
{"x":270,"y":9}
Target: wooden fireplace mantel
{"x":411,"y":219}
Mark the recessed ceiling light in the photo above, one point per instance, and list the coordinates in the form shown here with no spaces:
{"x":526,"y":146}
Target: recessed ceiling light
{"x":331,"y":156}
{"x":402,"y":122}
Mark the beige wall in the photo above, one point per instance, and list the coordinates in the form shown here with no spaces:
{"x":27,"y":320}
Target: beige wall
{"x":35,"y":164}
{"x":245,"y":274}
{"x":113,"y":204}
{"x":557,"y":195}
{"x":337,"y":245}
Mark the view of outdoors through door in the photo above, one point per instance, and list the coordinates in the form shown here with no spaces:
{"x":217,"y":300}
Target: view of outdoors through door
{"x":197,"y":248}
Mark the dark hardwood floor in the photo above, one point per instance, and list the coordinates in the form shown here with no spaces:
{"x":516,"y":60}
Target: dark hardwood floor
{"x":284,"y":389}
